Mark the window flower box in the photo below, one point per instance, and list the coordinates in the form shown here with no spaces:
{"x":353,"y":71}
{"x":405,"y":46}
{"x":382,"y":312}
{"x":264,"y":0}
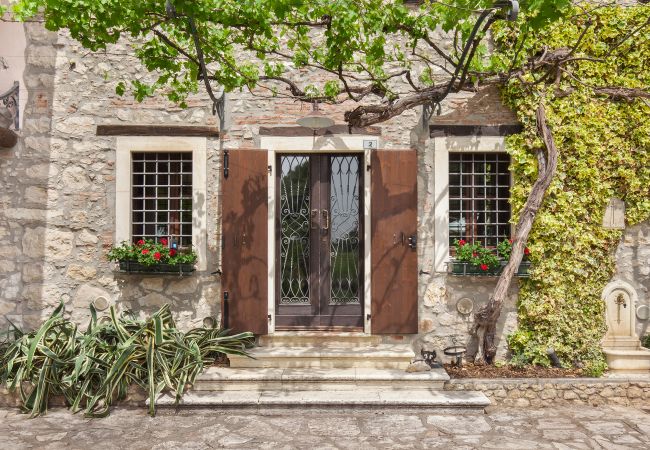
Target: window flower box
{"x":129,"y":266}
{"x":475,"y":260}
{"x":149,"y":257}
{"x":468,"y":269}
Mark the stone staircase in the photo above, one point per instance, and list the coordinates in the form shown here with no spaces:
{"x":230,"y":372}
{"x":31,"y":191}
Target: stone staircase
{"x":325,"y":370}
{"x":325,"y":351}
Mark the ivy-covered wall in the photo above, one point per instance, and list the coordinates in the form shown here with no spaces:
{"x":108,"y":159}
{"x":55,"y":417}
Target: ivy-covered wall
{"x":604,"y":152}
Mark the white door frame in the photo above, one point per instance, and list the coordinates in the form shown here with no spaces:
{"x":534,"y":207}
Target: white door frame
{"x":335,"y":143}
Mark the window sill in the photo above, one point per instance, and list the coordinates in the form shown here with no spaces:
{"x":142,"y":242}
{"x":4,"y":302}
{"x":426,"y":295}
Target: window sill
{"x":460,"y":268}
{"x":135,"y":268}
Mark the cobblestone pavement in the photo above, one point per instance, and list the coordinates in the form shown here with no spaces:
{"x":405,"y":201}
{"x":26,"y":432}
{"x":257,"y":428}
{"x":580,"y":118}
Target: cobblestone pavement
{"x":501,"y":428}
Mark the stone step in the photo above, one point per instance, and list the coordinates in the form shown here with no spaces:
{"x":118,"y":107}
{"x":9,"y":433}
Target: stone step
{"x":267,"y":379}
{"x":318,"y":339}
{"x":384,"y":356}
{"x":444,"y":400}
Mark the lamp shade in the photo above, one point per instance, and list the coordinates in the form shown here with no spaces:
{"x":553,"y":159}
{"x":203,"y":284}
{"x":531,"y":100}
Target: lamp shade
{"x":315,"y":120}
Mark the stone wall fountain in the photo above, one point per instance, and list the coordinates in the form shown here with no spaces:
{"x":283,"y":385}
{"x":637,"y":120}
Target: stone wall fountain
{"x":621,"y":344}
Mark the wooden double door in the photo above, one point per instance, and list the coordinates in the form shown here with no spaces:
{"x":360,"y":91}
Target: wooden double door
{"x":318,"y":266}
{"x":319,"y":241}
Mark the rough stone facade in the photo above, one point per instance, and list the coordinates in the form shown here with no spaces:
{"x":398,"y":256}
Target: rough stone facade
{"x":633,"y":266}
{"x":540,"y":392}
{"x":57,"y":216}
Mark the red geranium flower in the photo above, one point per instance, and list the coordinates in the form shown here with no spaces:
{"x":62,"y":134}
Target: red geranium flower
{"x":141,"y":242}
{"x":526,"y":251}
{"x":484,"y":267}
{"x":145,"y":251}
{"x":156,"y":256}
{"x":510,"y":241}
{"x":462,"y":242}
{"x":163,"y":241}
{"x":474,"y":254}
{"x":172,"y":252}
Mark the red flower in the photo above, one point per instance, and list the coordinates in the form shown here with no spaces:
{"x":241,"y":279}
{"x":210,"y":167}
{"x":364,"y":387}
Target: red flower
{"x":510,"y":241}
{"x":461,"y":242}
{"x":145,"y":251}
{"x":163,"y":241}
{"x":172,"y":252}
{"x":484,"y":267}
{"x":474,"y":254}
{"x":141,"y":242}
{"x":526,"y":251}
{"x":156,"y":256}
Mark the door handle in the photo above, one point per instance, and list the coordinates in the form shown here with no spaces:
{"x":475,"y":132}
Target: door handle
{"x":326,"y":218}
{"x":314,"y":219}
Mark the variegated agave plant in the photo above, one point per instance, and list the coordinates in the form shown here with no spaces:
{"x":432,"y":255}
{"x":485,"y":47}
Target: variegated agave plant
{"x":92,"y":369}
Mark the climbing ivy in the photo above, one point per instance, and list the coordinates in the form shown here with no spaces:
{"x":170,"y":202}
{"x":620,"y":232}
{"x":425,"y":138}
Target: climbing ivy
{"x":604,"y":152}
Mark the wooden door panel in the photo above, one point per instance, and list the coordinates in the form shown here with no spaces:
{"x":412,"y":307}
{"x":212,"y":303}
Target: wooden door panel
{"x":393,"y":262}
{"x":245,"y":235}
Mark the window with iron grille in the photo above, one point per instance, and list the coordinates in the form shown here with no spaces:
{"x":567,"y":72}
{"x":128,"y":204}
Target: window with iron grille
{"x":161,"y":197}
{"x":479,"y":189}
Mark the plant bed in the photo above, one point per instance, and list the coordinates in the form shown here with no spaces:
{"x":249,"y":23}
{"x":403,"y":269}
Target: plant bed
{"x":475,"y":260}
{"x":149,"y":257}
{"x":470,"y":370}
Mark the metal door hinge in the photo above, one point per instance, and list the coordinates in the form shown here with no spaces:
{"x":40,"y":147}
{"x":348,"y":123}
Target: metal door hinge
{"x":368,"y":167}
{"x":270,"y":169}
{"x":226,"y":169}
{"x":413,"y":241}
{"x":269,"y":316}
{"x":368,"y":316}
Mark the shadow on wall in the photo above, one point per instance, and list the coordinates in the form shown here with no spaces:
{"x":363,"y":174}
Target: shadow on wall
{"x":25,"y":171}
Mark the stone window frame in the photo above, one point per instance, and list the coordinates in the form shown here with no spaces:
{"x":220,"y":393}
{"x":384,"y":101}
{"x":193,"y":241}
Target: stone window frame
{"x":442,"y":146}
{"x":131,"y":144}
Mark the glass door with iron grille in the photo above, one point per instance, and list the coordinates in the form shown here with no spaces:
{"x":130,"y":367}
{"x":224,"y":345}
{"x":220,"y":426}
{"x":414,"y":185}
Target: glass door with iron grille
{"x":319,"y":255}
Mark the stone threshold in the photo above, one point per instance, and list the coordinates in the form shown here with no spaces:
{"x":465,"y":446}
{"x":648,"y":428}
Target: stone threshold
{"x":462,"y":400}
{"x":350,"y":379}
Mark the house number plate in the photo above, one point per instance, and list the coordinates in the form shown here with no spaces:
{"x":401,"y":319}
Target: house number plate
{"x":369,"y":144}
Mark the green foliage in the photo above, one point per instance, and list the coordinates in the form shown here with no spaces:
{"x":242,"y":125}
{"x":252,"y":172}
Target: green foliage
{"x":150,"y":253}
{"x":475,"y":254}
{"x":242,"y":40}
{"x":504,"y":249}
{"x":92,"y":369}
{"x":604,"y":152}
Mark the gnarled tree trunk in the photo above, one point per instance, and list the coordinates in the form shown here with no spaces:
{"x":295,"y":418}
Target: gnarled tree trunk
{"x":485,"y":319}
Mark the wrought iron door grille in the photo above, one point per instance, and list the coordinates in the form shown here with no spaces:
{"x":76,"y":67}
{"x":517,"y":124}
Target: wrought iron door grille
{"x":479,"y":192}
{"x":295,"y":189}
{"x":344,"y":237}
{"x":161,"y":196}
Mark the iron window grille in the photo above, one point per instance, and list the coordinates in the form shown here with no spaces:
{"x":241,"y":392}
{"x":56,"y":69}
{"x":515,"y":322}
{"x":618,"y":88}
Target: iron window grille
{"x":161,"y":196}
{"x":479,"y":192}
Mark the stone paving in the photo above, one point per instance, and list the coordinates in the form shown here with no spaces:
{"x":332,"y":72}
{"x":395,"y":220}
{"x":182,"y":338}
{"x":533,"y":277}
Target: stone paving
{"x":577,"y":427}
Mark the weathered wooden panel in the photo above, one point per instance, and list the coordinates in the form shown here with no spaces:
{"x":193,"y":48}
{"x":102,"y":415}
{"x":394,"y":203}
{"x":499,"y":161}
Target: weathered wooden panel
{"x":393,"y":222}
{"x":244,"y":255}
{"x":157,"y":130}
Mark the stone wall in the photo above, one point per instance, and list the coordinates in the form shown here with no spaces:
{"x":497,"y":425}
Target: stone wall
{"x":25,"y":173}
{"x":536,"y":392}
{"x":633,"y":266}
{"x":58,"y":199}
